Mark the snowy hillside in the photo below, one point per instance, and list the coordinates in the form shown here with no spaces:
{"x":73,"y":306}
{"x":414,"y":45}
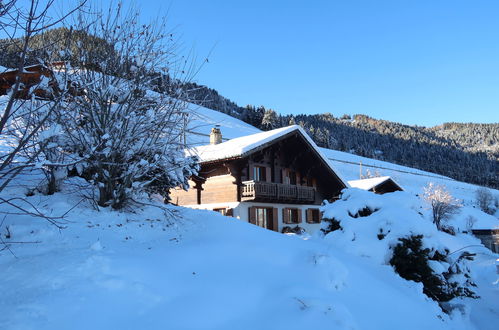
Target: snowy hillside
{"x":200,"y":270}
{"x":153,"y":266}
{"x":203,"y":120}
{"x":348,"y":165}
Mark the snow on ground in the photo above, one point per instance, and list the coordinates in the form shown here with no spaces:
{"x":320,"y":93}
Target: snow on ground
{"x":110,"y":270}
{"x":398,"y":215}
{"x":199,"y":270}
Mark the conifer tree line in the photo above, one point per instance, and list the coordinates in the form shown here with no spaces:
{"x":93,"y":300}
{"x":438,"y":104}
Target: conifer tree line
{"x":467,"y":152}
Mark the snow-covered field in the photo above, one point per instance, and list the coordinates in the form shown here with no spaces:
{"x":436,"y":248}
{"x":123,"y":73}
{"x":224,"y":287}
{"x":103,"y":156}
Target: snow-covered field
{"x":176,"y":268}
{"x":200,"y":270}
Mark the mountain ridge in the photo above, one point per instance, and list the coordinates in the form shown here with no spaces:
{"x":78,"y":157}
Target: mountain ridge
{"x":464,"y":151}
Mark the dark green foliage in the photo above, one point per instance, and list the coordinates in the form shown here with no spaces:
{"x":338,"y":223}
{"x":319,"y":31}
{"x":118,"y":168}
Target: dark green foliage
{"x":411,"y":262}
{"x":365,"y":212}
{"x":54,"y":41}
{"x":332,"y":225}
{"x":381,"y":235}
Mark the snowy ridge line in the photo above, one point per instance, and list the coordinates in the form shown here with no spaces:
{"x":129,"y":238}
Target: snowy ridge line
{"x":391,"y":169}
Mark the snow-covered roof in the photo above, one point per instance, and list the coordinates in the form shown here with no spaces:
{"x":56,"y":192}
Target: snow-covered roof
{"x":368,"y":184}
{"x":245,"y":145}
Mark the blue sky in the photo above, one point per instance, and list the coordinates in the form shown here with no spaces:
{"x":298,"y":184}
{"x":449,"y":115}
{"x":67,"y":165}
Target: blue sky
{"x":416,"y":62}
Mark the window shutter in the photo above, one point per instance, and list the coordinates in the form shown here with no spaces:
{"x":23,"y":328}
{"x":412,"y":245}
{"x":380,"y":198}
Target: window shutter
{"x":299,"y":215}
{"x":252,"y":215}
{"x":285,"y":215}
{"x":275,"y":222}
{"x":309,"y":216}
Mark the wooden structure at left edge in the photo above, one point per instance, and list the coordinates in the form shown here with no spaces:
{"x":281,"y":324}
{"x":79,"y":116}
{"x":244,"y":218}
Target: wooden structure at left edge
{"x":274,"y":179}
{"x":30,"y":79}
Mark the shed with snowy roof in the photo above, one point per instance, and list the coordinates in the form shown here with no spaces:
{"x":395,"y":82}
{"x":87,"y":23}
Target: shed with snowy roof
{"x":275,"y":179}
{"x":378,"y":185}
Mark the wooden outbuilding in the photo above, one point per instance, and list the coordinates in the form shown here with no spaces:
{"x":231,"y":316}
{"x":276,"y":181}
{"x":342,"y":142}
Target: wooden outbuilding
{"x":378,"y":185}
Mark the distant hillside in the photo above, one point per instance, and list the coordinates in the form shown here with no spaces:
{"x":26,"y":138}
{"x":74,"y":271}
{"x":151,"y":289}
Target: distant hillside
{"x":466,"y":152}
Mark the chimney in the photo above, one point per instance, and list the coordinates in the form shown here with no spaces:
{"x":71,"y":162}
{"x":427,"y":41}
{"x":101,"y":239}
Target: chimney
{"x":215,"y":135}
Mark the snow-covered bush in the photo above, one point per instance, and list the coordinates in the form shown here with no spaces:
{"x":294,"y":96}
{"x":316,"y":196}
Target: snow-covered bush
{"x":329,"y":225}
{"x":443,"y":279}
{"x":391,"y":230}
{"x":126,"y":138}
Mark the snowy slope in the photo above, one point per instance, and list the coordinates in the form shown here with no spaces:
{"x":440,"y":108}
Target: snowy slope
{"x":199,"y":270}
{"x":203,"y":119}
{"x":349,"y":165}
{"x":176,"y":268}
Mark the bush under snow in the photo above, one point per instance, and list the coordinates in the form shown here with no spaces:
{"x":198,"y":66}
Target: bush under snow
{"x":391,"y":229}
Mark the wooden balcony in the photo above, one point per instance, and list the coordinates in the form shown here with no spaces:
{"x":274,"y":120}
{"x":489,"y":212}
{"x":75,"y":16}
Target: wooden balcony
{"x":276,"y":192}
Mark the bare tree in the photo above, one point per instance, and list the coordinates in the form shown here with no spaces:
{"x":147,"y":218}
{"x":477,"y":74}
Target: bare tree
{"x":442,"y":203}
{"x":129,"y":136}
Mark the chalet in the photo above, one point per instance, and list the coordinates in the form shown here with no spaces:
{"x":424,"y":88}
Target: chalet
{"x":273,"y":179}
{"x":378,"y":185}
{"x":30,"y":81}
{"x":37,"y":80}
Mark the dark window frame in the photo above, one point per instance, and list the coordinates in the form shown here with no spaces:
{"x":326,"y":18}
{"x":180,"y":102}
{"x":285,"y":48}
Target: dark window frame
{"x":259,"y":173}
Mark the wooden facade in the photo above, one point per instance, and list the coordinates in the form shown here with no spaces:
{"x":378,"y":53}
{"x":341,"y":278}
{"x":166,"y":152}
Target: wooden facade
{"x":29,"y":78}
{"x":30,"y":82}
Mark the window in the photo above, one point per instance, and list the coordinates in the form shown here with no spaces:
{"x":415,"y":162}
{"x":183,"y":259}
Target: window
{"x":290,"y":216}
{"x":261,"y":217}
{"x":313,"y":216}
{"x":260,"y":173}
{"x":289,"y":177}
{"x":265,"y":217}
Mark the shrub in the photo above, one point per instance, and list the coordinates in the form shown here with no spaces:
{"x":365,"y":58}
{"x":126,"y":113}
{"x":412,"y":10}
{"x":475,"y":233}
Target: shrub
{"x":293,"y":230}
{"x":329,"y":225}
{"x":413,"y":262}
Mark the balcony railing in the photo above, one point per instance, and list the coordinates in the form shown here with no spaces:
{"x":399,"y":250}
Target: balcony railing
{"x":252,"y":190}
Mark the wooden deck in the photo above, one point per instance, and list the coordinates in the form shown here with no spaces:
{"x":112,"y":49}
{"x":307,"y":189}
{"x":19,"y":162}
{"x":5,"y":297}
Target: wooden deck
{"x":267,"y":191}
